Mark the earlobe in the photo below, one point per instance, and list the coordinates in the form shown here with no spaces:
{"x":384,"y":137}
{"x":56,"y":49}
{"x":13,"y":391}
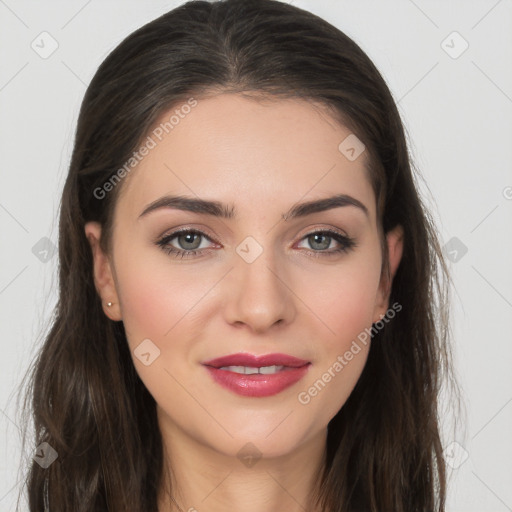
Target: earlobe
{"x":103,"y":275}
{"x":395,"y":242}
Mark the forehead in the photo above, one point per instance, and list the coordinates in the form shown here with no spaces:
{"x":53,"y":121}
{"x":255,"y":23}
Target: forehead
{"x":263,"y":152}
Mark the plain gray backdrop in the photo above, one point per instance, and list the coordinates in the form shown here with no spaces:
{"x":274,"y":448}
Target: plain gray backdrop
{"x":449,"y":67}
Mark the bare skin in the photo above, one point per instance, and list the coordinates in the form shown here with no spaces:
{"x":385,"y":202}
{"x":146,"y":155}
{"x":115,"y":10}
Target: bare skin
{"x":298,"y":297}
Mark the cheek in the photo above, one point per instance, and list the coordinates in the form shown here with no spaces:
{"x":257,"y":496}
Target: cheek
{"x":154,"y":298}
{"x":344,"y":301}
{"x":342,"y":355}
{"x":342,"y":298}
{"x":161,"y":302}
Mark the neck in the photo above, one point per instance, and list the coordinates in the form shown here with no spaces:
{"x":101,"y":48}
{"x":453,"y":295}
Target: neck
{"x":198,"y":477}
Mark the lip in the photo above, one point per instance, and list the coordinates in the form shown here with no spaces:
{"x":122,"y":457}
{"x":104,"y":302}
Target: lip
{"x":257,"y":385}
{"x":244,"y":359}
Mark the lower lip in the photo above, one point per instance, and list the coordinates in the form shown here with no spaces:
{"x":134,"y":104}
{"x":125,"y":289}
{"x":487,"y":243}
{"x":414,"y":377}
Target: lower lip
{"x":258,"y":385}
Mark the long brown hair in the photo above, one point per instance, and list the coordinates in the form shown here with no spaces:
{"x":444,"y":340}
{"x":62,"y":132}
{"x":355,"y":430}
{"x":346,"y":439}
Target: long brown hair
{"x":384,"y":450}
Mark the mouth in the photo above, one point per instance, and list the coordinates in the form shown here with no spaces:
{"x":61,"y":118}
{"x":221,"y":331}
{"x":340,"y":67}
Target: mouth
{"x":257,"y":376}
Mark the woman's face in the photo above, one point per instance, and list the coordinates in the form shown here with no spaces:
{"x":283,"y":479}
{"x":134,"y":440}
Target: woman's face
{"x":256,"y":282}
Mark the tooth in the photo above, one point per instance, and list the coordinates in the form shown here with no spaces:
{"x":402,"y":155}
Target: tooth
{"x":250,"y":370}
{"x":236,"y":369}
{"x":266,"y":370}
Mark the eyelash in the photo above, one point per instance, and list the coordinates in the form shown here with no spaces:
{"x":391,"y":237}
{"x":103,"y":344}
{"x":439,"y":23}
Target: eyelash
{"x":346,"y":243}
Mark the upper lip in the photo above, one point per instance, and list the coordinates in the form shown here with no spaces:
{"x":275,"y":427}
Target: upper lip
{"x":244,"y":359}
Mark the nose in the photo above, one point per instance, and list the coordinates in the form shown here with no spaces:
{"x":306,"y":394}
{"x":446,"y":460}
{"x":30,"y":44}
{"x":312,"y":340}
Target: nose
{"x":258,"y":295}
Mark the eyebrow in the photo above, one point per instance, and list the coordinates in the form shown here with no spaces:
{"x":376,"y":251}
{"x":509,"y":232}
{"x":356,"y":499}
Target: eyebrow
{"x":218,"y":209}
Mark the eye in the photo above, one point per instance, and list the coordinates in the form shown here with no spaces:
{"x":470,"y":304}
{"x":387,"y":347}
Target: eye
{"x":320,"y":241}
{"x":188,"y":240}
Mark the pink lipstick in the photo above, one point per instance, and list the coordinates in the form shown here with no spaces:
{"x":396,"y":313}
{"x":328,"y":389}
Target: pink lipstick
{"x":257,"y":376}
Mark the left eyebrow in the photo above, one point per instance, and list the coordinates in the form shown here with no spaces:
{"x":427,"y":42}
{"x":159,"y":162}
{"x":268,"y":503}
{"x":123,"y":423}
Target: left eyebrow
{"x":320,"y":205}
{"x":217,"y":209}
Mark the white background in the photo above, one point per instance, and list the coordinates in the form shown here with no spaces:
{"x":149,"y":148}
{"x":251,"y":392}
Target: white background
{"x":457,"y":112}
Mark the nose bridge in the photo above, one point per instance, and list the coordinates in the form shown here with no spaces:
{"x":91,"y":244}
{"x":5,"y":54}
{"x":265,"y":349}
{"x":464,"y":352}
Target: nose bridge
{"x":258,"y":295}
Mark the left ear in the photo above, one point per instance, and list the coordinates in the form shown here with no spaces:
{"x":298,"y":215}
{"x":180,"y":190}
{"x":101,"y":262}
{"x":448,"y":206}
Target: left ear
{"x":103,"y":275}
{"x":394,"y":239}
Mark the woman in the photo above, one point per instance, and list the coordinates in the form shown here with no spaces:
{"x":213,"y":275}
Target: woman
{"x":252,"y":311}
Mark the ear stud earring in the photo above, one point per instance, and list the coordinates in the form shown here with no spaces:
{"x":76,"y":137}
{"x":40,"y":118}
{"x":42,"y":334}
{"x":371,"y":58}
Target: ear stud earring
{"x":109,"y":304}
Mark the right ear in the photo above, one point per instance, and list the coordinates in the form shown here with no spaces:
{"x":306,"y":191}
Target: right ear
{"x":103,"y":275}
